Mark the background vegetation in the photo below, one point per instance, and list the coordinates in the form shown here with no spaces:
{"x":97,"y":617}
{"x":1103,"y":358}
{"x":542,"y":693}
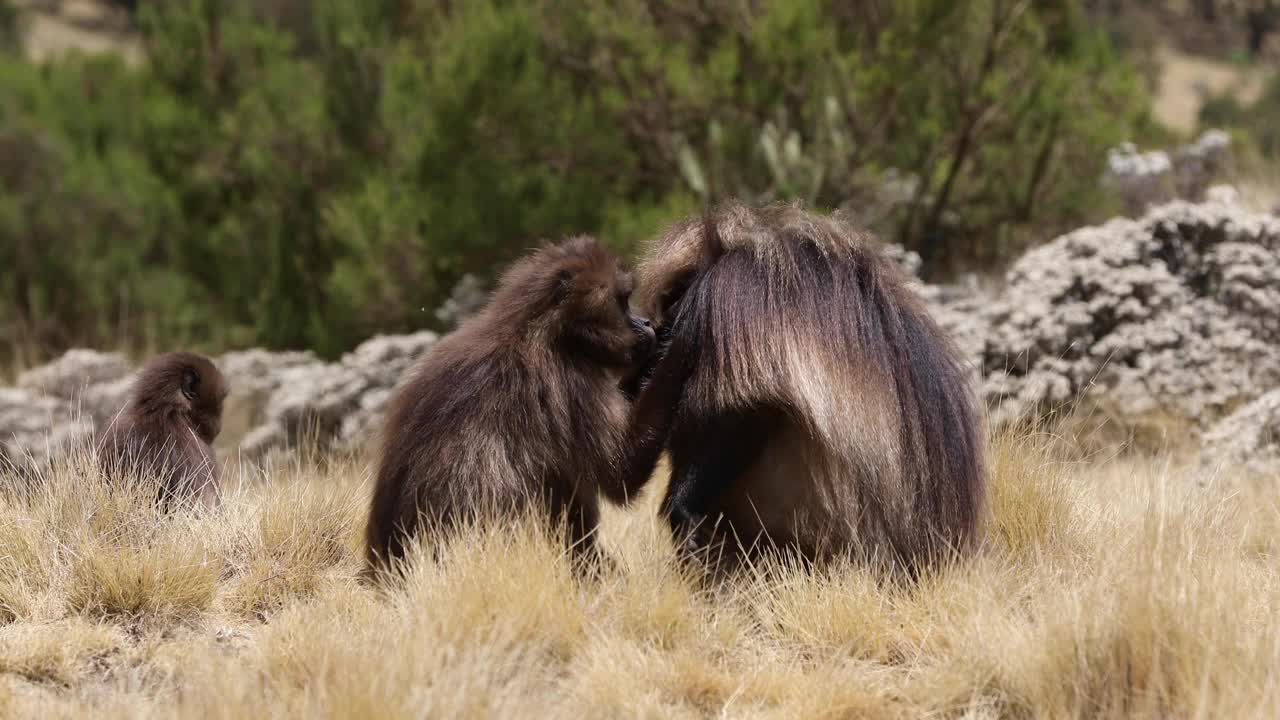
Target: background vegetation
{"x":303,"y":173}
{"x":1256,"y":119}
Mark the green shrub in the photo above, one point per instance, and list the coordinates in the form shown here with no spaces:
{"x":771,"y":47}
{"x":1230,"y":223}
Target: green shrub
{"x":8,"y":27}
{"x":1000,"y":113}
{"x":306,"y":172}
{"x":1259,"y":121}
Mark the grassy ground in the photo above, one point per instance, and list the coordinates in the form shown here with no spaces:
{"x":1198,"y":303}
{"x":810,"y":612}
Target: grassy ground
{"x":1122,"y":588}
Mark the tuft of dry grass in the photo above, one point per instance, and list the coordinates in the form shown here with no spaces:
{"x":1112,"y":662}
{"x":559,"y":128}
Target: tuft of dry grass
{"x":1109,"y":586}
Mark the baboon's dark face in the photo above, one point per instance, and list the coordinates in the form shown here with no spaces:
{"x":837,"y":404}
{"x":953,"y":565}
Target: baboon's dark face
{"x":599,"y":316}
{"x":576,"y":295}
{"x":645,"y":338}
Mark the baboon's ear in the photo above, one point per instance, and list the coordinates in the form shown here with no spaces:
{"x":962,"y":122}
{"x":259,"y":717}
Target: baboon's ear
{"x":712,"y":244}
{"x":190,"y":383}
{"x":561,"y":285}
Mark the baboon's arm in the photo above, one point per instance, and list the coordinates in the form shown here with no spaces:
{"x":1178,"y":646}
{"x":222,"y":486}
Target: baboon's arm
{"x":651,"y":418}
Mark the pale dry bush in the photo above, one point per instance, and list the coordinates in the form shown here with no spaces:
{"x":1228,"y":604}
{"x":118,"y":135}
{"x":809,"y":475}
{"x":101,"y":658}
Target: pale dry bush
{"x":1108,"y":587}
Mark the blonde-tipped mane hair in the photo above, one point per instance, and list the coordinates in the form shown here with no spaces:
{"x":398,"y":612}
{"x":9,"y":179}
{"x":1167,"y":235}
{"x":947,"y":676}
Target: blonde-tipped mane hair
{"x":874,"y":440}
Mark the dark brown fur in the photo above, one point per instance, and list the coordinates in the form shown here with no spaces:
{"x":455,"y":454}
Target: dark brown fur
{"x":826,"y":411}
{"x":523,"y":407}
{"x":167,"y":428}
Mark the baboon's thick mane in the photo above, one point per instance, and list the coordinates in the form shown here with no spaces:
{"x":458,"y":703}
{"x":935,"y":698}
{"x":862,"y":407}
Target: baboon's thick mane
{"x":799,"y":313}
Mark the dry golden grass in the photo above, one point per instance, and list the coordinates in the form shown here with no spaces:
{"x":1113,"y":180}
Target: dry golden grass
{"x":1118,"y":588}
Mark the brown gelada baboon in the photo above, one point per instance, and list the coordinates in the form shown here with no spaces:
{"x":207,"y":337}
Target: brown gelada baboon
{"x":167,"y":428}
{"x":527,"y":406}
{"x":824,"y":410}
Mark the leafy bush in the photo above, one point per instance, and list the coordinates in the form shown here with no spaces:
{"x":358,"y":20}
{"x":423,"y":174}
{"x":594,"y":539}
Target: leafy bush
{"x":984,"y":117}
{"x":1260,"y":121}
{"x":8,"y":27}
{"x":308,"y":172}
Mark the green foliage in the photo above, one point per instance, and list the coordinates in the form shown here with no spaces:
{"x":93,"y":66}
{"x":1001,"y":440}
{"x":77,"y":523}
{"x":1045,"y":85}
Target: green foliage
{"x":307,"y":172}
{"x":9,"y":40}
{"x":999,"y":114}
{"x":1259,"y":121}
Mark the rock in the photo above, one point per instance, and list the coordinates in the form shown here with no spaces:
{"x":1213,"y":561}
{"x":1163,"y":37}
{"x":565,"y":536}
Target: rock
{"x":279,"y":400}
{"x":1198,"y":164}
{"x":1248,"y":438}
{"x":1222,"y":194}
{"x":102,"y":402}
{"x":335,"y":404}
{"x":311,"y":402}
{"x":907,"y":260}
{"x":957,"y":308}
{"x":386,"y":355}
{"x":34,"y":428}
{"x":257,"y":371}
{"x":262,"y":441}
{"x":366,"y":422}
{"x":70,"y":374}
{"x":253,"y":375}
{"x":383,"y":362}
{"x":59,"y":405}
{"x":1144,"y":179}
{"x":961,"y":310}
{"x":1178,"y":311}
{"x":1140,"y":178}
{"x":1174,"y":314}
{"x":23,"y":413}
{"x":466,"y":299}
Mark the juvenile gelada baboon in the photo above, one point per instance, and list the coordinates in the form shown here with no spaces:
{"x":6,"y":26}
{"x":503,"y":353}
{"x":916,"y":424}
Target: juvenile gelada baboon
{"x":167,"y":428}
{"x":525,"y":406}
{"x":825,"y":410}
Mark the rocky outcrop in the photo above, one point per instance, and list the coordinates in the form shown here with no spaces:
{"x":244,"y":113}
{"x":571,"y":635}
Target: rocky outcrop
{"x":466,"y":299}
{"x":54,"y":28}
{"x":279,"y":400}
{"x":67,"y":377}
{"x":1143,"y":179}
{"x":328,"y":404}
{"x":1173,"y":314}
{"x":961,"y":310}
{"x":1249,"y":438}
{"x":34,"y":427}
{"x":57,"y":406}
{"x":908,"y":261}
{"x":1178,"y":311}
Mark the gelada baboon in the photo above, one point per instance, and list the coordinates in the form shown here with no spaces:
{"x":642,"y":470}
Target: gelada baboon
{"x":167,"y":428}
{"x":524,"y":406}
{"x":824,"y":411}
